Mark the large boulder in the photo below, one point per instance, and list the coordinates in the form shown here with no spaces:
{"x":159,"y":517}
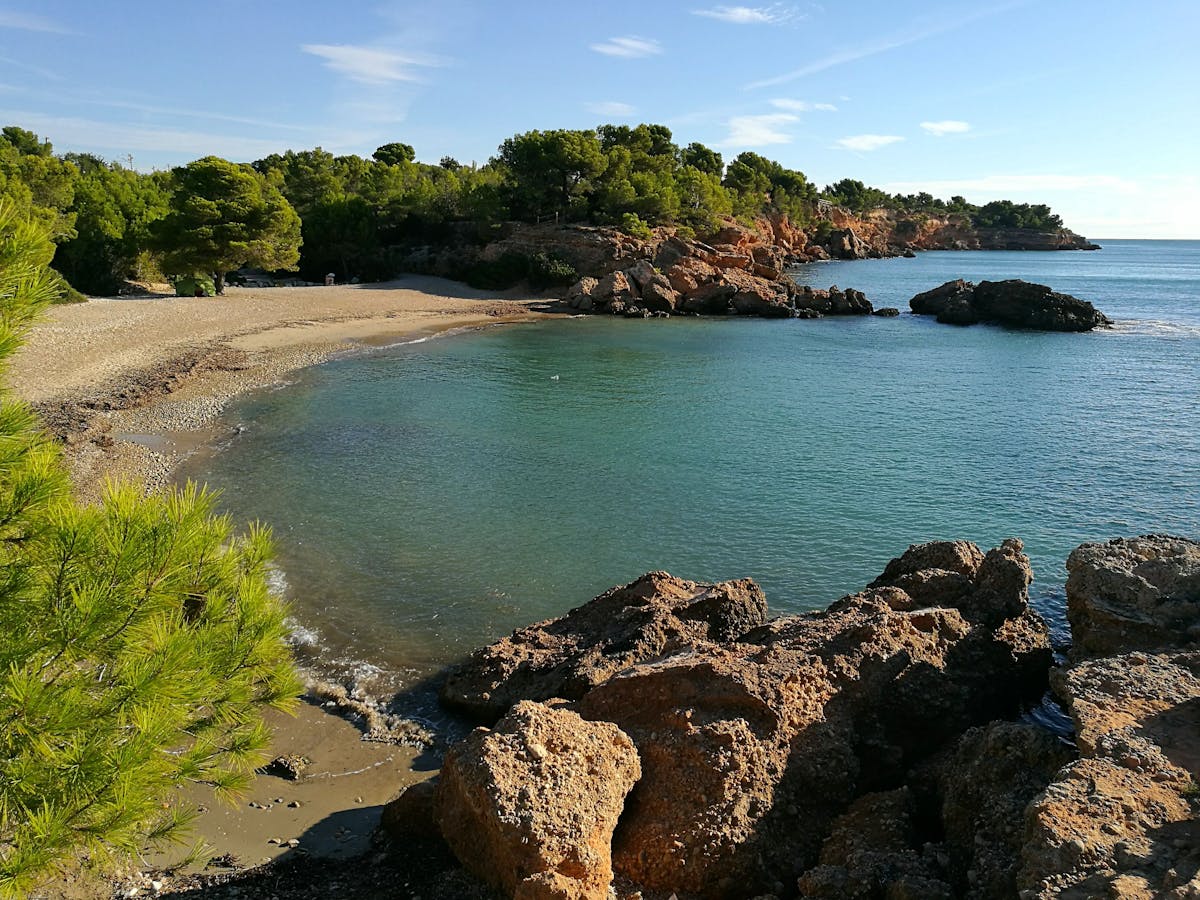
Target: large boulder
{"x":1139,"y":593}
{"x":1016,"y":303}
{"x":566,"y":657}
{"x":688,"y":274}
{"x":580,"y":295}
{"x":751,"y":750}
{"x":832,"y":302}
{"x":531,"y":805}
{"x":846,"y":244}
{"x":612,"y":290}
{"x":658,"y":295}
{"x":1123,"y":820}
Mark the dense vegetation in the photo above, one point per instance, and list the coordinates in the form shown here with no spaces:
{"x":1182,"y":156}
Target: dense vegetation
{"x":112,"y":223}
{"x":138,"y":640}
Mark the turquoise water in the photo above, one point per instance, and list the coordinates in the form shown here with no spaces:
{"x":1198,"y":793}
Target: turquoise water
{"x":430,"y":497}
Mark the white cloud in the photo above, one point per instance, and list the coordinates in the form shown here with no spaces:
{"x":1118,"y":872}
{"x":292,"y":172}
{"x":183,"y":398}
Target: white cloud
{"x":30,"y":22}
{"x":629,"y":47}
{"x":610,"y":108}
{"x":370,"y":65}
{"x":946,"y":126}
{"x":758,"y":131}
{"x":867,"y":142}
{"x":750,"y":15}
{"x":802,"y":105}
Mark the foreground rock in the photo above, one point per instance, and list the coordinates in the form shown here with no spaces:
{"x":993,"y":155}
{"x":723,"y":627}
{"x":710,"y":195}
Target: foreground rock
{"x":753,"y":741}
{"x":530,"y":806}
{"x":1122,"y":821}
{"x":567,"y":657}
{"x":863,"y":751}
{"x":1134,"y":594}
{"x":1016,"y":303}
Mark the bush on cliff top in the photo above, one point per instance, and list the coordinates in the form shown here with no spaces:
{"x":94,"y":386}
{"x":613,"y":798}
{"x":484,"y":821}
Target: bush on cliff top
{"x":138,"y":640}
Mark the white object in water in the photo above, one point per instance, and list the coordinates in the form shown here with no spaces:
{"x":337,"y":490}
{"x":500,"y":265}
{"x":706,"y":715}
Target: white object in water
{"x":554,"y":378}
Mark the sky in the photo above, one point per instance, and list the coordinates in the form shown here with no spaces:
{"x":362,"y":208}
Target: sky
{"x":1091,"y":107}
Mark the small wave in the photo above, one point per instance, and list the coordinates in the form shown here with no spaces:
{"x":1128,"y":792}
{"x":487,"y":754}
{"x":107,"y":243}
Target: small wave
{"x":1154,"y":327}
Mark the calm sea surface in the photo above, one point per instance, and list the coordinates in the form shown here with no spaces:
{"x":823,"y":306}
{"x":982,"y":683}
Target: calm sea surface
{"x":430,"y":497}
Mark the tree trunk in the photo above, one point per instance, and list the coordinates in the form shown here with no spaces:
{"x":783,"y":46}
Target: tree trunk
{"x":219,"y":282}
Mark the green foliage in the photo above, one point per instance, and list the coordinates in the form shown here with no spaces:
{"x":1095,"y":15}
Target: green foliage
{"x":550,"y":170}
{"x":547,"y":270}
{"x":1006,"y":214}
{"x":138,"y":639}
{"x":359,"y":215}
{"x":634,"y":226}
{"x":395,"y":154}
{"x":222,"y":216}
{"x":114,"y":209}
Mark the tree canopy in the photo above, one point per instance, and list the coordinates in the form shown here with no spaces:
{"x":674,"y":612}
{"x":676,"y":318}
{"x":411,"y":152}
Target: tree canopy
{"x":138,"y":639}
{"x":222,"y":216}
{"x":358,"y":214}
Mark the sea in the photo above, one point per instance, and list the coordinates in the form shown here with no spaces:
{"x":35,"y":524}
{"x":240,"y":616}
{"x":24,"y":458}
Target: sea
{"x":429,"y":497}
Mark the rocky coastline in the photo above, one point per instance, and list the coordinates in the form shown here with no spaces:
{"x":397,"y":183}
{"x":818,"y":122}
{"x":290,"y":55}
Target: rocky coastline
{"x":738,"y":269}
{"x":668,"y":739}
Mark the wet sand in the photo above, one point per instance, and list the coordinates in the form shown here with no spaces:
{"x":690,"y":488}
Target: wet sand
{"x":133,"y":385}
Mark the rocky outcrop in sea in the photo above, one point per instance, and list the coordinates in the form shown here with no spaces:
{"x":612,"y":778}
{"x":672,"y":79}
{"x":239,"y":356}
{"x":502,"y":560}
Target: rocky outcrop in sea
{"x":1016,"y":303}
{"x":688,"y":745}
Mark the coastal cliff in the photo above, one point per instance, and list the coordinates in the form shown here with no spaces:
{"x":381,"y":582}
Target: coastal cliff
{"x":872,"y":749}
{"x":739,"y":268}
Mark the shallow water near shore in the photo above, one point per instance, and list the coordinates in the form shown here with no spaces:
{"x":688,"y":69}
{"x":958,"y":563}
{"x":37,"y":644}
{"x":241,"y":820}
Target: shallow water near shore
{"x":428,"y":498}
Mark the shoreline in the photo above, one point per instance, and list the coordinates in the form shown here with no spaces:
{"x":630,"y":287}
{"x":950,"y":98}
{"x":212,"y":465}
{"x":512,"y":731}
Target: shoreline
{"x":132,"y":387}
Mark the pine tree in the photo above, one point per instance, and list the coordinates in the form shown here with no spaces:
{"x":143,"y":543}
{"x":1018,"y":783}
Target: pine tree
{"x":138,"y":640}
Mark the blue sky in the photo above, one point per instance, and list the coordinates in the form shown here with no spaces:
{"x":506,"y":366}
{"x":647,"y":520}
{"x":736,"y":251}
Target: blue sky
{"x":1088,"y":106}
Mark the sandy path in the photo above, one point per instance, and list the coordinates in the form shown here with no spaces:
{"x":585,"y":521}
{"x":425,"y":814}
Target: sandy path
{"x":131,"y":385}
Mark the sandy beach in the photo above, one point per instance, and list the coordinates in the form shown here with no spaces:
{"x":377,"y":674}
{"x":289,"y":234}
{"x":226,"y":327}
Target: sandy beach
{"x":131,"y":386}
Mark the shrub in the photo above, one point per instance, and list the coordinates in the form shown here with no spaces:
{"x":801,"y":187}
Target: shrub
{"x":138,"y":640}
{"x":634,"y":226}
{"x":547,"y":270}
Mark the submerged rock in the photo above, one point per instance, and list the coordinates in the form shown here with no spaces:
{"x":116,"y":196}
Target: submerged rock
{"x":1020,"y":304}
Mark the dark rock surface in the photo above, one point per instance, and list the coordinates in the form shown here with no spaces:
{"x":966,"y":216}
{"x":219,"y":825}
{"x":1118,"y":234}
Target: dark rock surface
{"x":566,"y":657}
{"x":1016,"y":303}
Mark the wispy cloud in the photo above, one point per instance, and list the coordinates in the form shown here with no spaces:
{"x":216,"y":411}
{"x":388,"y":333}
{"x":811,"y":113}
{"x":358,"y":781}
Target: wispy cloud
{"x":36,"y":70}
{"x":610,"y":108}
{"x":870,"y":48}
{"x":802,"y":105}
{"x":31,"y":22}
{"x":630,"y":47}
{"x":946,"y":126}
{"x":92,"y":135}
{"x":758,"y":131}
{"x":751,"y":15}
{"x":1006,"y":185}
{"x":866,"y":142}
{"x":371,"y":65}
